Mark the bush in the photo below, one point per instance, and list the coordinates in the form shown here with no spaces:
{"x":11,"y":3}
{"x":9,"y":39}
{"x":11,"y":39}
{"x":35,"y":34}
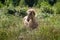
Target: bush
{"x":11,"y":11}
{"x":2,"y":1}
{"x":22,"y":3}
{"x":1,"y":5}
{"x":46,"y":8}
{"x":23,"y":12}
{"x":15,"y":2}
{"x":30,"y":3}
{"x":58,"y":7}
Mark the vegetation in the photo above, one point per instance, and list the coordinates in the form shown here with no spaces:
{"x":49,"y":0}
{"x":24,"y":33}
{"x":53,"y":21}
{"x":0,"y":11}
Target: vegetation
{"x":11,"y":24}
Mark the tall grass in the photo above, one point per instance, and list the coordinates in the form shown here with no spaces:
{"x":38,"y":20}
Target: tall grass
{"x":11,"y":26}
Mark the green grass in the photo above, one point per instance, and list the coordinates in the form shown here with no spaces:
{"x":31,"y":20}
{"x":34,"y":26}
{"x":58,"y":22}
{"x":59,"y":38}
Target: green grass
{"x":11,"y":28}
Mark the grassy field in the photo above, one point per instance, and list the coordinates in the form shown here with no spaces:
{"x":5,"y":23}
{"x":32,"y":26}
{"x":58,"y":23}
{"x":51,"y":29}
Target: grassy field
{"x":12,"y":28}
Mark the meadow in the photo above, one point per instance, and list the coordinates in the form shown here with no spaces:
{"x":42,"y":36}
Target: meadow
{"x":12,"y":28}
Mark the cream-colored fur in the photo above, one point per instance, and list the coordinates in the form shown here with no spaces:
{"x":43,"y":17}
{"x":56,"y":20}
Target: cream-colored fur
{"x":30,"y":20}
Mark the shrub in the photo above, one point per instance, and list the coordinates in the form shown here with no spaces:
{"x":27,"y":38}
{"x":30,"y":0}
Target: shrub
{"x":22,"y":3}
{"x":1,"y":5}
{"x":30,"y":3}
{"x":2,"y":1}
{"x":46,"y":8}
{"x":15,"y":2}
{"x":11,"y":11}
{"x":58,"y":7}
{"x":52,"y":2}
{"x":23,"y":12}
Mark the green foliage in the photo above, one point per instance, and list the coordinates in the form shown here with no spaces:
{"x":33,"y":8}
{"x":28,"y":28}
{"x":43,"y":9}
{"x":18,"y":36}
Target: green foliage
{"x":46,"y":8}
{"x":3,"y":35}
{"x":15,"y":2}
{"x":12,"y":28}
{"x":23,"y":12}
{"x":58,"y":7}
{"x":35,"y":3}
{"x":1,"y":5}
{"x":30,"y":3}
{"x":9,"y":27}
{"x":38,"y":4}
{"x":22,"y":3}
